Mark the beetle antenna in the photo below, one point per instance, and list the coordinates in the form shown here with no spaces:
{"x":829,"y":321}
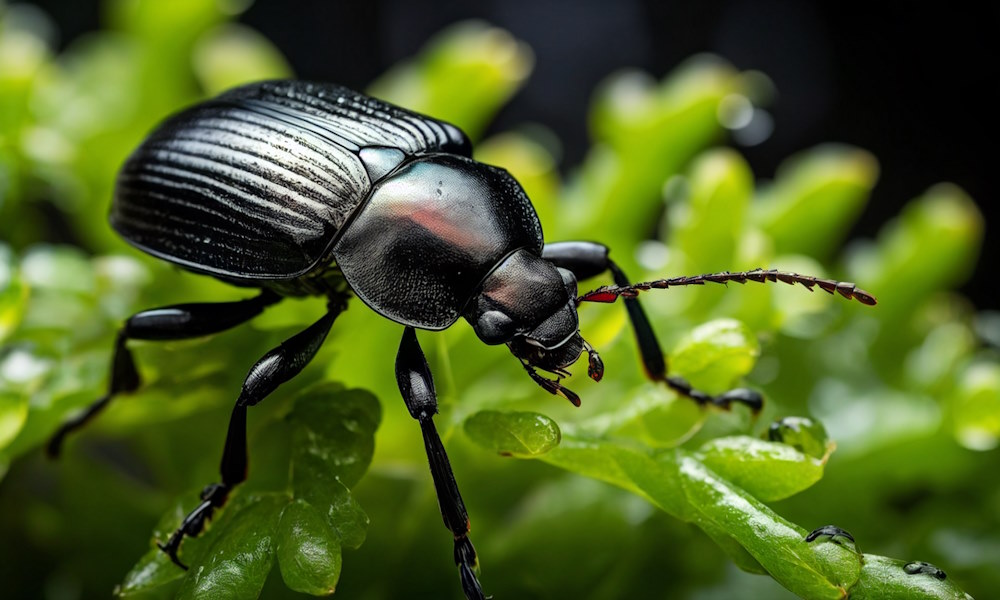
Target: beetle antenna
{"x":610,"y":293}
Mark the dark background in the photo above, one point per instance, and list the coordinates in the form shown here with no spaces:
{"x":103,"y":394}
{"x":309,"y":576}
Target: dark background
{"x":913,"y":84}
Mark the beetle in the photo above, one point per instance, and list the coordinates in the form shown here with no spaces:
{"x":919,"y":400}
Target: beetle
{"x":299,"y":189}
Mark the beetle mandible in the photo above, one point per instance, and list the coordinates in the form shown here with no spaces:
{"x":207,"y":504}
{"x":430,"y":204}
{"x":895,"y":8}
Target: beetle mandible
{"x":297,"y":189}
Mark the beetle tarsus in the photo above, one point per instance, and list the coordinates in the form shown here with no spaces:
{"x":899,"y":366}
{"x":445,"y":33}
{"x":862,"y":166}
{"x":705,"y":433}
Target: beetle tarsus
{"x":468,"y":563}
{"x":751,"y":398}
{"x":212,"y":497}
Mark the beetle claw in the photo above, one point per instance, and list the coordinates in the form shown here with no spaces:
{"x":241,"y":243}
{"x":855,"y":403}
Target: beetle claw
{"x":171,"y":547}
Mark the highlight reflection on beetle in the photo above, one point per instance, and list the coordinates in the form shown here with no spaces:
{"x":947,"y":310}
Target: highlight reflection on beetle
{"x":299,"y":188}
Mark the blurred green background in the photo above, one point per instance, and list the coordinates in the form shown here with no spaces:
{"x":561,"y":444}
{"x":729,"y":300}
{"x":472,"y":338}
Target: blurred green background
{"x":908,"y":391}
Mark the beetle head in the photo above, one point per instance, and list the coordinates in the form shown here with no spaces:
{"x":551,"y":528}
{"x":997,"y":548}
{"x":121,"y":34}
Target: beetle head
{"x":530,"y":305}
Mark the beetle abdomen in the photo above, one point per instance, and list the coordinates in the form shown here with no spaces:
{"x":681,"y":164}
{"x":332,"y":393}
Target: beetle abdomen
{"x":257,"y":183}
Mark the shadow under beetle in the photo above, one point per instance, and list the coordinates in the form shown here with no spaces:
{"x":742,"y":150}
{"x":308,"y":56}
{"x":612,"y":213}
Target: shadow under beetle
{"x":301,"y":189}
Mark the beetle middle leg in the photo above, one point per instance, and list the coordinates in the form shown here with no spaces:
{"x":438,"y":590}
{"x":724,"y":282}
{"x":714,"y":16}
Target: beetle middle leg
{"x":589,"y":259}
{"x":177,"y":322}
{"x":276,"y":367}
{"x":417,"y":387}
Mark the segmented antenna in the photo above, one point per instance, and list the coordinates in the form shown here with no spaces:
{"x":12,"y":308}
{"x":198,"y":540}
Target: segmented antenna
{"x":610,"y":293}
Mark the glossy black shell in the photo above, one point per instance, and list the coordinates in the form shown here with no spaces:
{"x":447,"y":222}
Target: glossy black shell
{"x":257,"y":183}
{"x":279,"y":183}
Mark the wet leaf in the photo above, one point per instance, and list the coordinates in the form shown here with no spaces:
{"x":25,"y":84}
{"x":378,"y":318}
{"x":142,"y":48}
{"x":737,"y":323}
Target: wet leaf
{"x":655,"y":416}
{"x":523,"y":434}
{"x":769,"y":471}
{"x":154,"y":576}
{"x":308,"y":550}
{"x":315,"y":482}
{"x":239,"y":559}
{"x":715,"y":355}
{"x":819,"y":571}
{"x":337,"y":427}
{"x":887,"y":579}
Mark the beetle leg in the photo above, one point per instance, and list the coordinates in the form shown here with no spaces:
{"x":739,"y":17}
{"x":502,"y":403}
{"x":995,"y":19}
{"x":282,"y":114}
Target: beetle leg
{"x":588,"y":259}
{"x":416,"y":384}
{"x":276,"y":367}
{"x":181,"y":321}
{"x":746,"y":396}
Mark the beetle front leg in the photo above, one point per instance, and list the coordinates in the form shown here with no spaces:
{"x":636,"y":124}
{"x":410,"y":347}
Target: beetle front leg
{"x":417,"y":387}
{"x":178,"y":322}
{"x":589,"y":259}
{"x":276,"y":367}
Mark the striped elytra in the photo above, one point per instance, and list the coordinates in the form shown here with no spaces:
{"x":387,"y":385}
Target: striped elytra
{"x":257,"y":183}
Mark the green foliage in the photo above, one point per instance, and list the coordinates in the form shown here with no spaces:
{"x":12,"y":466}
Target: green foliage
{"x":304,"y":525}
{"x":904,"y":390}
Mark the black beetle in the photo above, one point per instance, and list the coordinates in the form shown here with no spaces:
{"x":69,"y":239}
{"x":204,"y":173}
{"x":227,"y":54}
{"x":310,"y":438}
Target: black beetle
{"x":299,"y":189}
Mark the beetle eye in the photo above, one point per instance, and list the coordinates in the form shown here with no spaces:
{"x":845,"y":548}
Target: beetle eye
{"x":494,"y":327}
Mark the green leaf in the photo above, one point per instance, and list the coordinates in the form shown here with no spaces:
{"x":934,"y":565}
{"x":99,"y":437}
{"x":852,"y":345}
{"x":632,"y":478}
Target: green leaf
{"x":887,"y":579}
{"x":232,"y":55}
{"x":332,"y":447}
{"x":13,"y":414}
{"x":464,"y":75}
{"x":513,"y":433}
{"x":905,"y":268}
{"x":977,"y":407}
{"x":708,"y":226}
{"x":654,"y":478}
{"x":769,"y":471}
{"x":239,"y":559}
{"x":816,"y":197}
{"x":154,"y":576}
{"x":314,"y":481}
{"x":308,"y":550}
{"x":811,"y":570}
{"x":13,"y":294}
{"x":337,"y":427}
{"x":655,"y":416}
{"x":715,"y":355}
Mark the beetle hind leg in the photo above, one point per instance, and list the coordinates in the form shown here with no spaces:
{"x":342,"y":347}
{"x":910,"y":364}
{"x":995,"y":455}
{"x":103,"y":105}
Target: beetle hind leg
{"x":181,"y":321}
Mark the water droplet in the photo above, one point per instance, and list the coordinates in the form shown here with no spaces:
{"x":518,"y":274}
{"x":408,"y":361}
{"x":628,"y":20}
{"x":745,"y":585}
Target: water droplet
{"x":918,"y":567}
{"x":802,"y":433}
